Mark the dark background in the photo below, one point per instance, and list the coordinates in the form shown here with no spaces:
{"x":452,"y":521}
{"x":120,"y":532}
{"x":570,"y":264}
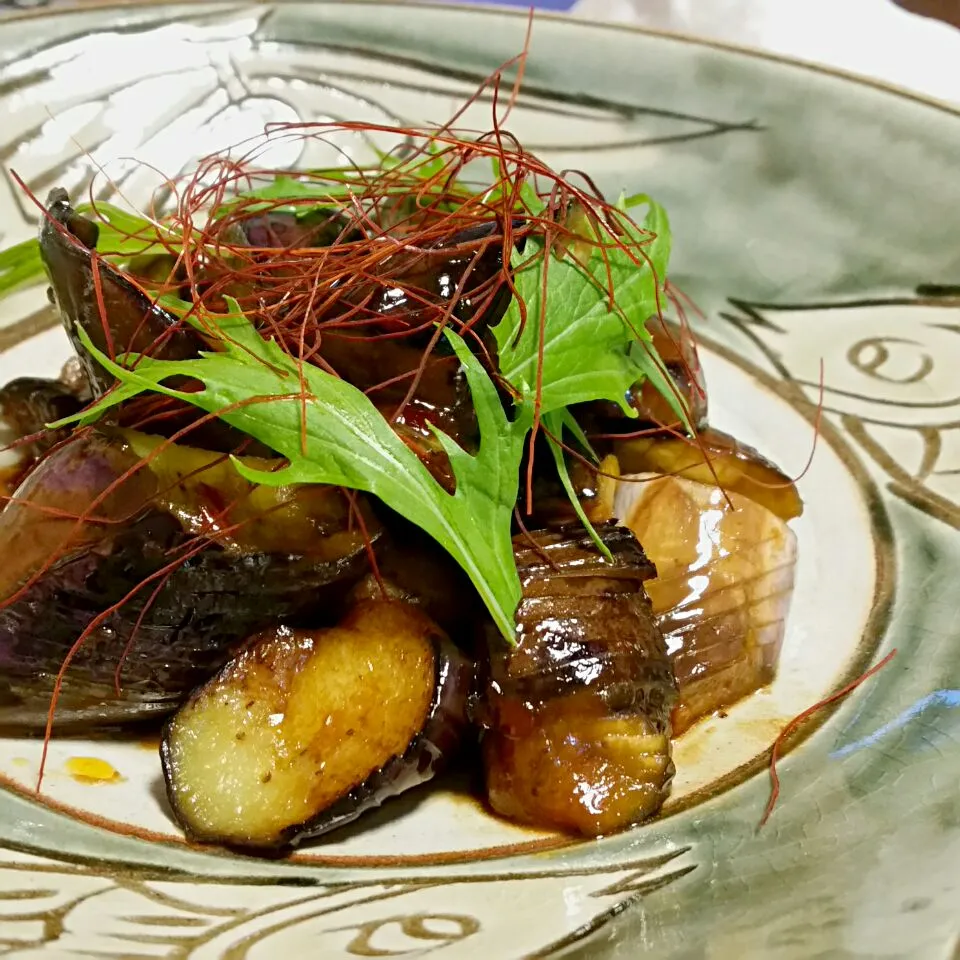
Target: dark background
{"x":948,"y":10}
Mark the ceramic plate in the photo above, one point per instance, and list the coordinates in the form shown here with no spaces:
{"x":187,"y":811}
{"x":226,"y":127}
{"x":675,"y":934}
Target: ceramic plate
{"x":815,"y":223}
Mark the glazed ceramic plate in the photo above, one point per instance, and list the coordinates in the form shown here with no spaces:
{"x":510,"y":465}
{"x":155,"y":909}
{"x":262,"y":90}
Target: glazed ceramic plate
{"x":815,"y":223}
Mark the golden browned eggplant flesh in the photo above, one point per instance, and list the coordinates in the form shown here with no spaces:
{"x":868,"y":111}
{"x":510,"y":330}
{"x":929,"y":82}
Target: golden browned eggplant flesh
{"x":306,"y":730}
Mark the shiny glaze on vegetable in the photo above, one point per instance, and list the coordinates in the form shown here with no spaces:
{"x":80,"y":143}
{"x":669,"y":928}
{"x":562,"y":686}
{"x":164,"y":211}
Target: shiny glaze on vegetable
{"x":725,"y":573}
{"x":576,"y":717}
{"x":306,"y":730}
{"x":575,"y":720}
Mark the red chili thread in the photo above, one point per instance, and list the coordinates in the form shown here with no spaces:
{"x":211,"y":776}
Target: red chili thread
{"x":799,"y":719}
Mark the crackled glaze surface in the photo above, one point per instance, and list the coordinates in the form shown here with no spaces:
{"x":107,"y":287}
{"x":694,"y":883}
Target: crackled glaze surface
{"x":813,"y":223}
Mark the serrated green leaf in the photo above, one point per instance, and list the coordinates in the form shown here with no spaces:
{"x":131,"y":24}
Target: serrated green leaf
{"x":554,"y":424}
{"x":350,"y":444}
{"x":589,"y":351}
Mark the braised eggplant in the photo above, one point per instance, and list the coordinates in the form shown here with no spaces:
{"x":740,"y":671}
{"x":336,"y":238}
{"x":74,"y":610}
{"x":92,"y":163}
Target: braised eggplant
{"x":27,"y":405}
{"x":280,"y":229}
{"x":306,"y":730}
{"x":412,"y":567}
{"x":391,"y":321}
{"x":319,"y":658}
{"x":577,"y":714}
{"x":131,"y":322}
{"x":250,"y":556}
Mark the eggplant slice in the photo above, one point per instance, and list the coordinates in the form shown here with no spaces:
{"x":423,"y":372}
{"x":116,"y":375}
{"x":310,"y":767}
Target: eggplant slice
{"x":279,"y":553}
{"x":577,"y":715}
{"x":27,"y":405}
{"x":135,"y":324}
{"x":306,"y":730}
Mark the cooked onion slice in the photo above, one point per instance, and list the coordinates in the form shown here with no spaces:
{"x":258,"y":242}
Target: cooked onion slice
{"x":725,"y":570}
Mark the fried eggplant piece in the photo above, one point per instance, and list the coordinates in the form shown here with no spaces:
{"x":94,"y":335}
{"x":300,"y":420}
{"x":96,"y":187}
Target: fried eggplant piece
{"x":392,"y":323}
{"x":725,"y":575}
{"x":133,"y":323}
{"x":306,"y":730}
{"x":261,"y":555}
{"x":413,"y":567}
{"x":577,"y":714}
{"x":27,"y":405}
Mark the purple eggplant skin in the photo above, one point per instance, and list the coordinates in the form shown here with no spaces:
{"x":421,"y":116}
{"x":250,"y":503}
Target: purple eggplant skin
{"x":305,"y":731}
{"x":27,"y":405}
{"x":136,"y":324}
{"x":200,"y":613}
{"x":576,"y":716}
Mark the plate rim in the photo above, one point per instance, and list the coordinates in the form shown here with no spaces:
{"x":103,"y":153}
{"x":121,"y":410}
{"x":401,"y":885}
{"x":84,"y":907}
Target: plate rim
{"x":486,"y":8}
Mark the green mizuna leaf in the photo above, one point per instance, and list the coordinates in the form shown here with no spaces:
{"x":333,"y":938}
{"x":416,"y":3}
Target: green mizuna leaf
{"x":590,"y":352}
{"x":124,"y":235}
{"x":20,"y":266}
{"x":350,"y":444}
{"x":554,"y":424}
